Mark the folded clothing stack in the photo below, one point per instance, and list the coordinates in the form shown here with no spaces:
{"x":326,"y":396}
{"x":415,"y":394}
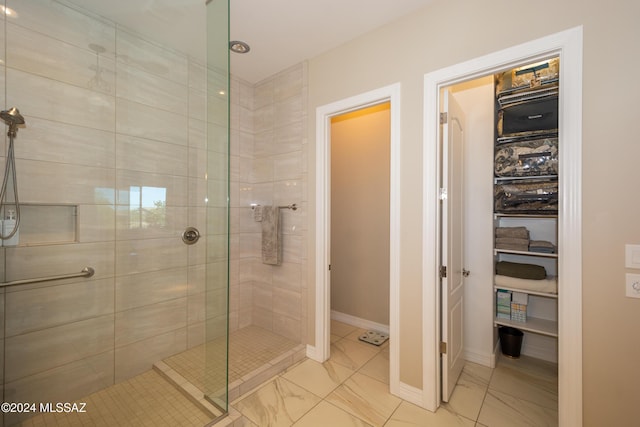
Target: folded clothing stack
{"x":521,"y":270}
{"x":512,"y":238}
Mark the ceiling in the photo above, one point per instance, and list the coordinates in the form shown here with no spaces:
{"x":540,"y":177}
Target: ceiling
{"x":281,"y":33}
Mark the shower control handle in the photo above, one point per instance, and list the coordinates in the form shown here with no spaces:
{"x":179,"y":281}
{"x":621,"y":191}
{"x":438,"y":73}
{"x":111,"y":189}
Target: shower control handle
{"x":190,"y":235}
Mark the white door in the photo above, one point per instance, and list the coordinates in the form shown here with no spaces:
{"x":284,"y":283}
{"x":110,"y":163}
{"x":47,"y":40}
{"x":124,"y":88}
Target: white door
{"x":452,"y":241}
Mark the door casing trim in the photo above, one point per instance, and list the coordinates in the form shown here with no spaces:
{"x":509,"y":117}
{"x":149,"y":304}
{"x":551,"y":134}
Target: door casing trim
{"x":568,"y":46}
{"x":320,"y":351}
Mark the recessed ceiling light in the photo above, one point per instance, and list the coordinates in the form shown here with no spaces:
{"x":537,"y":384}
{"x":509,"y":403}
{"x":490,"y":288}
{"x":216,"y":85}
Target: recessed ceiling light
{"x":239,"y":47}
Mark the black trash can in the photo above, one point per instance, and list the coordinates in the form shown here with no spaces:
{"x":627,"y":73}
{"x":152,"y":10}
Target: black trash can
{"x":510,"y":341}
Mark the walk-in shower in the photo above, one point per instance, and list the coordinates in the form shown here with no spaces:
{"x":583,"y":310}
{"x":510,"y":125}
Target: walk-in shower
{"x":125,"y":147}
{"x":12,"y":118}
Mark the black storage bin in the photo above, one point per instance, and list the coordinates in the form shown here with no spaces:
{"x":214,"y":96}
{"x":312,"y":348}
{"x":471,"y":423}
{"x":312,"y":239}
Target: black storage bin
{"x":510,"y":341}
{"x":539,"y":115}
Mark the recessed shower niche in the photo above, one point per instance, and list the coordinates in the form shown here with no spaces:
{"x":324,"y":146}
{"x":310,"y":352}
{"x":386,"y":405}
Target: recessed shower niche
{"x":42,"y":224}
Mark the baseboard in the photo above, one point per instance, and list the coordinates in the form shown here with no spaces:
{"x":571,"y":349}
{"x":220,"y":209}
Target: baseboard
{"x":496,"y":352}
{"x":483,"y":359}
{"x":409,"y":393}
{"x":312,"y":353}
{"x":359,"y":322}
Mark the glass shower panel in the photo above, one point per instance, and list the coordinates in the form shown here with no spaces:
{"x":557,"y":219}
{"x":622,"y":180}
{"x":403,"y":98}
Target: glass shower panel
{"x":217,"y":206}
{"x":125,"y":148}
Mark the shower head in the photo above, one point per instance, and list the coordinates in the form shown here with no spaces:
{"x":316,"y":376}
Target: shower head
{"x":12,"y":118}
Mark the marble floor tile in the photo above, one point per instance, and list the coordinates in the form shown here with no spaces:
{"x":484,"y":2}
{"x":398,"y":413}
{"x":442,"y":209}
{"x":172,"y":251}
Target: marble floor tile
{"x":319,"y":378}
{"x":366,"y":398}
{"x":341,"y":329}
{"x":352,"y":354}
{"x":408,"y":415}
{"x":529,"y":380}
{"x":334,"y":338}
{"x":378,"y":367}
{"x":502,"y":410}
{"x":279,"y":403}
{"x":469,"y":392}
{"x":325,"y":414}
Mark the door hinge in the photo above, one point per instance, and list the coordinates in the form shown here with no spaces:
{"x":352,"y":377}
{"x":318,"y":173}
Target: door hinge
{"x":443,"y":118}
{"x":443,"y":271}
{"x":443,"y":347}
{"x":329,"y":267}
{"x":442,"y":194}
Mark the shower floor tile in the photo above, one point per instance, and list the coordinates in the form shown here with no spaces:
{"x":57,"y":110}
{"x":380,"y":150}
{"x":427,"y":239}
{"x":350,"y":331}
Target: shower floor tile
{"x":151,"y":399}
{"x":250,"y":349}
{"x":144,"y":400}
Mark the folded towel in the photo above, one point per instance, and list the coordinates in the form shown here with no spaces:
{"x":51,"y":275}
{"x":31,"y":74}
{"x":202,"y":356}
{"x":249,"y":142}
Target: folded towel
{"x":519,"y":232}
{"x":509,"y":247}
{"x":546,"y":285}
{"x":542,"y":246}
{"x":520,"y":270}
{"x":271,"y":235}
{"x":512,"y":243}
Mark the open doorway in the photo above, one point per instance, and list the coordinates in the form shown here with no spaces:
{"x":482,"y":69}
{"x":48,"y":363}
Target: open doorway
{"x":568,"y":47}
{"x":391,"y":95}
{"x":359,"y":223}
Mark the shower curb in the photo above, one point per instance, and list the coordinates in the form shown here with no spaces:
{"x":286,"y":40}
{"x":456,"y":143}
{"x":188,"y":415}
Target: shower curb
{"x":186,"y":388}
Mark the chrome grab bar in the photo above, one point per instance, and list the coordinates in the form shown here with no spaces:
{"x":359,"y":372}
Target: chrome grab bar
{"x":86,"y":272}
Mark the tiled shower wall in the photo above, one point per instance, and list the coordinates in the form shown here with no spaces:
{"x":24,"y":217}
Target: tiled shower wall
{"x":93,"y":148}
{"x":268,"y":156}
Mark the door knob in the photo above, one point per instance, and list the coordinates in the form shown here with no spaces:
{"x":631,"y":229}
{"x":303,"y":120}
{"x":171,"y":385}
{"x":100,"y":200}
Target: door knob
{"x":465,"y":272}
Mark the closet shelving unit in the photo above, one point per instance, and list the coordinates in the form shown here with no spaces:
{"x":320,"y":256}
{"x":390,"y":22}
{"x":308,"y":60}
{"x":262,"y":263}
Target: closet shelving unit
{"x":534,"y":223}
{"x":542,"y":306}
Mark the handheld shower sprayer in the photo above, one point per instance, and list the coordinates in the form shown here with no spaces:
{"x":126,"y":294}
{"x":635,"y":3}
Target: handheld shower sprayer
{"x":12,"y":118}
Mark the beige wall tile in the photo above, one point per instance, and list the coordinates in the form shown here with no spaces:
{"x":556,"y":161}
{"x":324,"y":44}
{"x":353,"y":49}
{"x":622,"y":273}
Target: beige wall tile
{"x":65,"y":143}
{"x":146,"y":155}
{"x":35,"y":309}
{"x":36,"y":352}
{"x":39,"y":54}
{"x":197,"y":75}
{"x":150,"y":57}
{"x":95,"y":223}
{"x":151,"y":320}
{"x":175,"y":187}
{"x":137,"y":85}
{"x":72,"y":184}
{"x":133,"y":359}
{"x":137,"y":290}
{"x":63,"y":384}
{"x":198,"y":133}
{"x":67,"y":24}
{"x":40,"y":97}
{"x":144,"y":121}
